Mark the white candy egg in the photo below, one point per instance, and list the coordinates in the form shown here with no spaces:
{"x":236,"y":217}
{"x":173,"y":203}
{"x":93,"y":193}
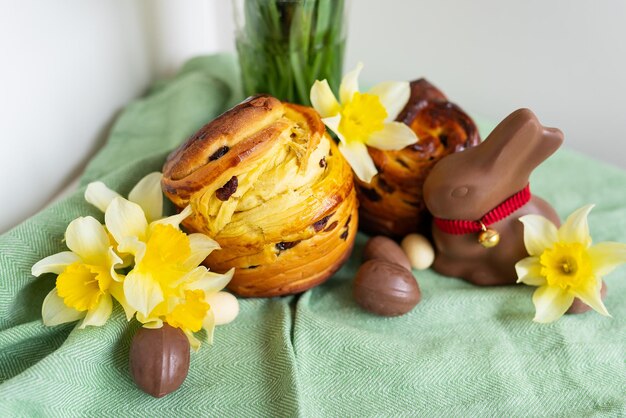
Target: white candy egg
{"x":419,"y":251}
{"x":225,"y":307}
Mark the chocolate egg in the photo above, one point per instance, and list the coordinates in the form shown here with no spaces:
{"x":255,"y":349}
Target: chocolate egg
{"x":159,"y":359}
{"x":383,"y":248}
{"x":579,"y":306}
{"x":385,"y":288}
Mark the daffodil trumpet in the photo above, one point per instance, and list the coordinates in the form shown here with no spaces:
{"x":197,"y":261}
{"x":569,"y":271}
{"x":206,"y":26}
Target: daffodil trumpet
{"x":364,"y":119}
{"x":564,"y":264}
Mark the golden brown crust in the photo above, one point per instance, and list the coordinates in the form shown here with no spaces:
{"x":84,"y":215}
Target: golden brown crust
{"x":244,"y":129}
{"x":301,"y":267}
{"x":267,"y":182}
{"x":392,"y":204}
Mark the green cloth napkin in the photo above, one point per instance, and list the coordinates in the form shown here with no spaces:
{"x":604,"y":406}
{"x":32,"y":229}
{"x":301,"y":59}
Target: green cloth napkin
{"x":463,"y":351}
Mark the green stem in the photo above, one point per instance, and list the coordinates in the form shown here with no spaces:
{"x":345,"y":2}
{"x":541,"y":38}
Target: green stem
{"x":286,"y":46}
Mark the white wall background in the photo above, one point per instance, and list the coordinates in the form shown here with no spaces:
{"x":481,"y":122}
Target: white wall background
{"x":68,"y":66}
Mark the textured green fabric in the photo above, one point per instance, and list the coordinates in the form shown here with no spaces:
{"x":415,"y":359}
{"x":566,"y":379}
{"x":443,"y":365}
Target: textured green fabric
{"x":463,"y":351}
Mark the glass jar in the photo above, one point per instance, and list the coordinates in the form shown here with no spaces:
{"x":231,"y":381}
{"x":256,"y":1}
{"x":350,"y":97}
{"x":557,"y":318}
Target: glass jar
{"x":285,"y":45}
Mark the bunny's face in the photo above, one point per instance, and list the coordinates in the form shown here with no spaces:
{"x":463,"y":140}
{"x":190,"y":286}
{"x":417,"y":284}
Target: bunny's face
{"x":456,"y":189}
{"x":468,"y":184}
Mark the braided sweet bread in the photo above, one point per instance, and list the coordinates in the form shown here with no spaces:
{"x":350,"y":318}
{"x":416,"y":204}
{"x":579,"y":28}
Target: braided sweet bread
{"x":266,"y":182}
{"x":392,"y":204}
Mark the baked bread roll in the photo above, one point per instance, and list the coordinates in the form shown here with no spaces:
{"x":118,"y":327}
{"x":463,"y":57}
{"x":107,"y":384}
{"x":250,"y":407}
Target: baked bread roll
{"x":392,"y":204}
{"x":269,"y":185}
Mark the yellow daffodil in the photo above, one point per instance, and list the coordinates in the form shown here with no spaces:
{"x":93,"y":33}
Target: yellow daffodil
{"x":147,"y":194}
{"x":86,"y":276}
{"x":564,"y":264}
{"x":166,"y":284}
{"x":364,"y":119}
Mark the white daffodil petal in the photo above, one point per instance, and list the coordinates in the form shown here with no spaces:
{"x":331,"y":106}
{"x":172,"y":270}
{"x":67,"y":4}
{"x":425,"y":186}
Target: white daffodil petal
{"x":592,"y":297}
{"x":576,"y":227}
{"x":142,"y":292}
{"x":99,"y":195}
{"x":211,"y":282}
{"x":195,"y":275}
{"x":117,"y":291}
{"x":209,"y":326}
{"x":55,"y":263}
{"x":529,"y":272}
{"x":393,"y":95}
{"x":393,"y":136}
{"x":174,"y":220}
{"x":132,"y":245}
{"x":55,"y":312}
{"x":149,"y":322}
{"x":114,"y":261}
{"x":539,"y":234}
{"x":551,"y":303}
{"x":209,"y":320}
{"x":148,"y":194}
{"x":359,"y":159}
{"x":88,"y":239}
{"x":153,"y":323}
{"x":350,"y":84}
{"x":100,"y":314}
{"x":332,"y":123}
{"x":194,"y":343}
{"x":201,"y":246}
{"x":605,"y":257}
{"x":127,"y":260}
{"x":124,"y":219}
{"x":323,"y":99}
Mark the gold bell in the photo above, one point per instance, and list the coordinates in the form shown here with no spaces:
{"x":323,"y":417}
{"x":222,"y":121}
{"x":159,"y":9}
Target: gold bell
{"x":488,"y":238}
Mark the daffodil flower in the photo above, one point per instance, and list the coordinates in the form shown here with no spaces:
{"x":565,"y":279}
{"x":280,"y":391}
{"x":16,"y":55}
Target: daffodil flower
{"x":364,"y":119}
{"x":86,"y":276}
{"x":564,"y":264}
{"x":146,"y":193}
{"x":166,"y":284}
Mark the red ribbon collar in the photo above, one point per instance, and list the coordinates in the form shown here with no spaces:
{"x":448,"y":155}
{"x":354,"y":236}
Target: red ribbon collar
{"x":504,"y":209}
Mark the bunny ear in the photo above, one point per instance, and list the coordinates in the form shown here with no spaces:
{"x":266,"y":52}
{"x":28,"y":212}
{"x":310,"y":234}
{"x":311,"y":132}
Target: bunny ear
{"x":519,"y":144}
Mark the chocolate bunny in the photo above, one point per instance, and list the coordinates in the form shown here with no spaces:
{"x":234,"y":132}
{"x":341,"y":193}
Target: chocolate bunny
{"x":477,"y":197}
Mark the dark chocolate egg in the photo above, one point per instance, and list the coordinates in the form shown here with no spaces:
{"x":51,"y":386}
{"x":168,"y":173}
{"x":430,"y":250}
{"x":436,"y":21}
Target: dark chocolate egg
{"x":384,"y":248}
{"x":159,"y":359}
{"x":385,"y":288}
